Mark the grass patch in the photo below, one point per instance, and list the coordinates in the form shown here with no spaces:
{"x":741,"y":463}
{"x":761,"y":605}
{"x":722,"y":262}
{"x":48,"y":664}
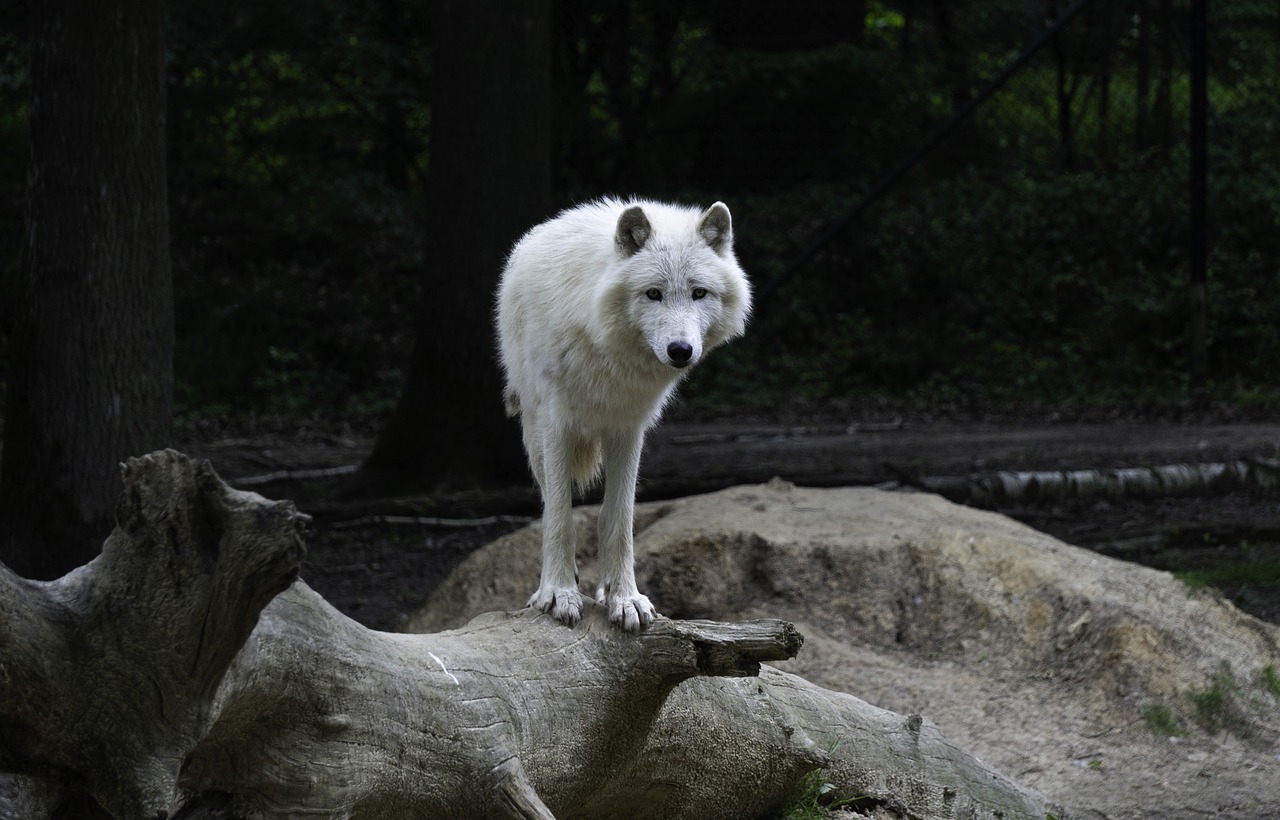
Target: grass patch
{"x":1271,"y":680}
{"x":1248,"y":576}
{"x":809,"y":802}
{"x":1230,"y":573}
{"x":1220,"y":706}
{"x":1161,"y":720}
{"x":1239,"y":573}
{"x":1193,"y":578}
{"x":815,"y":797}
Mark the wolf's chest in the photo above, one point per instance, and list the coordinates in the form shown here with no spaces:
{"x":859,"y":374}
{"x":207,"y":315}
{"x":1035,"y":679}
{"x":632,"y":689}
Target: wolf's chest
{"x":604,"y":390}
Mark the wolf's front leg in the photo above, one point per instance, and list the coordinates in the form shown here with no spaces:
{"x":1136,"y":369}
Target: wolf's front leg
{"x":558,"y":588}
{"x":617,"y":591}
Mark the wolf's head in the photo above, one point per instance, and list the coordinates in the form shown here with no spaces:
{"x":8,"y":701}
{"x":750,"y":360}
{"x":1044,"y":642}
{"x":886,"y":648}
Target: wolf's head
{"x":679,"y":283}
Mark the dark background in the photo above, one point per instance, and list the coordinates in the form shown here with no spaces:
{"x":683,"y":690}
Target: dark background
{"x":1039,"y":252}
{"x":345,"y":177}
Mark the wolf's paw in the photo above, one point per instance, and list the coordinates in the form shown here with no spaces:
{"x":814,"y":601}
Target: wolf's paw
{"x":563,"y":603}
{"x":632,"y":612}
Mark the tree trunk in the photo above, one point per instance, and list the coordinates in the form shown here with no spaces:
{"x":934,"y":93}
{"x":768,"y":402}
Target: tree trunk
{"x":1064,"y":91}
{"x":488,"y":182}
{"x":1142,"y":90}
{"x":1198,"y":192}
{"x":110,"y":672}
{"x":1109,"y":27}
{"x":92,"y":343}
{"x":1164,"y":77}
{"x":142,"y":683}
{"x":393,"y":132}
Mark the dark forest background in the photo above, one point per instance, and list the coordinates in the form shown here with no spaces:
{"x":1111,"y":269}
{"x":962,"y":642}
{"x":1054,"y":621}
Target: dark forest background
{"x":1038,"y":253}
{"x":344,"y":179}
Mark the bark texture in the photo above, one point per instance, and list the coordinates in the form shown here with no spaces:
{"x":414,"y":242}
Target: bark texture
{"x":492,"y":81}
{"x":93,"y":328}
{"x":141,"y":681}
{"x":108,"y":674}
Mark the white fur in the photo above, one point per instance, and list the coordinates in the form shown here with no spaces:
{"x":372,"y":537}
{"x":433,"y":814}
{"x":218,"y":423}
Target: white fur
{"x":588,"y":356}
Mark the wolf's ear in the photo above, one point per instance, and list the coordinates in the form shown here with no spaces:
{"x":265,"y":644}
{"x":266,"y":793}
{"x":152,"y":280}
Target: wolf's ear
{"x":716,"y":227}
{"x":633,"y":230}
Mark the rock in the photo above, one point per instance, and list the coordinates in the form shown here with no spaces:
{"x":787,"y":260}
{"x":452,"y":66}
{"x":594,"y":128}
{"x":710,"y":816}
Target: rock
{"x":1031,"y":653}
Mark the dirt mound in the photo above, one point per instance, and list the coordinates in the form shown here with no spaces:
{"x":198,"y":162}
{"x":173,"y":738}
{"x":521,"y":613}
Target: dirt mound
{"x":1048,"y":661}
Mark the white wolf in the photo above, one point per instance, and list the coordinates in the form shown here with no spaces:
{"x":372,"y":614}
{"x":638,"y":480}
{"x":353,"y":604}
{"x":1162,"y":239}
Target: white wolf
{"x":601,"y":311}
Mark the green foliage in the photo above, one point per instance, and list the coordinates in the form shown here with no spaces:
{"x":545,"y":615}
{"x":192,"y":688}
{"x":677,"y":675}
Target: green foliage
{"x":298,"y":148}
{"x":1050,"y":267}
{"x":1271,"y":680}
{"x":1029,"y":288}
{"x":1249,"y":575}
{"x":1038,"y":254}
{"x":808,"y":805}
{"x":1161,"y":721}
{"x":884,"y":24}
{"x":1194,"y":579}
{"x":1230,"y":574}
{"x":284,"y":384}
{"x":815,"y":798}
{"x":1222,"y":705}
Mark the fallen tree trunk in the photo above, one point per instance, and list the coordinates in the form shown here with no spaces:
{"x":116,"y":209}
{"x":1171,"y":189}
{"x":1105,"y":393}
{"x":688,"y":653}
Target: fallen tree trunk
{"x":1034,"y":486}
{"x":107,"y":675}
{"x":142,"y":683}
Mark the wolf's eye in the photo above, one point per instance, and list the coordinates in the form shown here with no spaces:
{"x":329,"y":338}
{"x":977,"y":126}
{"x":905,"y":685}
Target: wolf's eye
{"x":654,"y":294}
{"x":698,"y":293}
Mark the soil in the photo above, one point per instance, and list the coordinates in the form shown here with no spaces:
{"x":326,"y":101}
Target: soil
{"x":378,"y":561}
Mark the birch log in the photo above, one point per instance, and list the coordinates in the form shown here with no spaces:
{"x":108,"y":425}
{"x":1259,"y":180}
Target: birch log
{"x":1033,"y":486}
{"x":163,"y":680}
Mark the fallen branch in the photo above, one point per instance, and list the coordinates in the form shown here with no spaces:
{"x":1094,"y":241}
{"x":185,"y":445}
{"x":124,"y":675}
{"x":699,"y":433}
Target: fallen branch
{"x":296,"y":475}
{"x":433,"y":521}
{"x":140,"y":682}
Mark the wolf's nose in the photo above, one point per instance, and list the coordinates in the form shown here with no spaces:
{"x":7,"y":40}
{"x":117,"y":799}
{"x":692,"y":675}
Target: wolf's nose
{"x":680,"y":353}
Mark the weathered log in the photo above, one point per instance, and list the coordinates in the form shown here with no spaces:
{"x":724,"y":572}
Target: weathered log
{"x":107,"y":674}
{"x":1166,"y":480}
{"x":137,"y":680}
{"x":323,"y":716}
